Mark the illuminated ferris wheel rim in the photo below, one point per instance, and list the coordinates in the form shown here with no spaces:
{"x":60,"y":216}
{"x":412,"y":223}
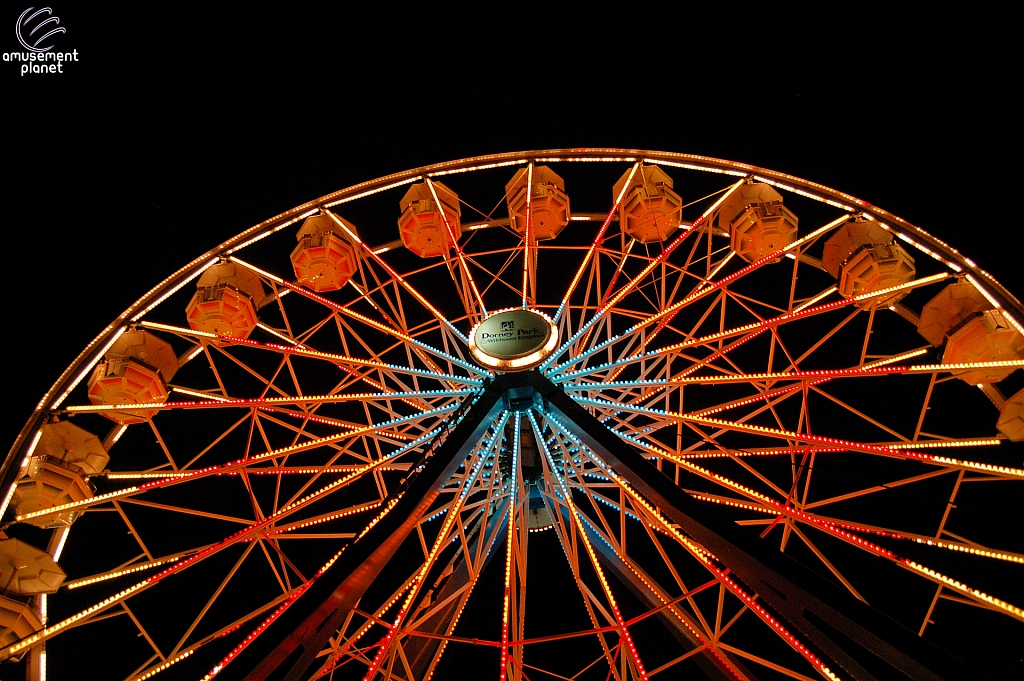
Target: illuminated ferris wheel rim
{"x":996,"y":294}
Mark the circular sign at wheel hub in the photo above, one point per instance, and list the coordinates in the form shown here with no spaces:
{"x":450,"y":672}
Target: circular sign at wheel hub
{"x":513,"y":339}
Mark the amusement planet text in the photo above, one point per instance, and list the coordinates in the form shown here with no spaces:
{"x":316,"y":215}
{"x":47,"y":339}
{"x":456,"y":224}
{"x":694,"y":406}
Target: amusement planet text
{"x":30,"y":61}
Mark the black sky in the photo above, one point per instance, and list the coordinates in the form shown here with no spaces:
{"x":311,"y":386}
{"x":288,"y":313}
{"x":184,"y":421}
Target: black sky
{"x":179,"y":128}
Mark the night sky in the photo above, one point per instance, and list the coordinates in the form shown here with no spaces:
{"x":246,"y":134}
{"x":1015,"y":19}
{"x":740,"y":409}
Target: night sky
{"x":176,"y":130}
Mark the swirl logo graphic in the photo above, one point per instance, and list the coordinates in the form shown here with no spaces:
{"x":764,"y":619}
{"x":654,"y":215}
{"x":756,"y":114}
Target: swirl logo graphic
{"x":46,"y":27}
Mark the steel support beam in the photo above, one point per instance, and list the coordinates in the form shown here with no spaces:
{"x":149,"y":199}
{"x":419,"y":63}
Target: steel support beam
{"x":421,"y":651}
{"x":642,"y":590}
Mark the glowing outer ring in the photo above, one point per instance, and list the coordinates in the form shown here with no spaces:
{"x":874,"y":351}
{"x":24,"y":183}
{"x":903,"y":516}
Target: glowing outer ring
{"x":519,"y":363}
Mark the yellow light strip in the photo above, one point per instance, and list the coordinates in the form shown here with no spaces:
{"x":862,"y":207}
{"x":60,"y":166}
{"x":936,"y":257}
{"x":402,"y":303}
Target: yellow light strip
{"x":259,"y":402}
{"x":896,"y":358}
{"x":963,"y":548}
{"x":485,"y":166}
{"x":801,"y":192}
{"x":78,"y":504}
{"x":85,"y":371}
{"x":268,"y":232}
{"x":856,"y":446}
{"x":767,"y":451}
{"x":196,"y":351}
{"x":818,"y":232}
{"x":276,"y":333}
{"x":938,"y":543}
{"x":849,"y":373}
{"x":926,"y":368}
{"x":815,"y":299}
{"x":711,"y":277}
{"x":303,"y":351}
{"x":121,"y":430}
{"x":174,"y":660}
{"x":707,"y":169}
{"x":954,"y":585}
{"x":174,"y":290}
{"x":900,"y":287}
{"x":113,"y":574}
{"x":327,"y":518}
{"x":197,"y":393}
{"x":948,"y":263}
{"x":942,"y":444}
{"x":270,"y":470}
{"x":373,"y":191}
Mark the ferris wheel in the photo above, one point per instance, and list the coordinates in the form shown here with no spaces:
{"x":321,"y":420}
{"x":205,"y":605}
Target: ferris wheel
{"x":704,"y":418}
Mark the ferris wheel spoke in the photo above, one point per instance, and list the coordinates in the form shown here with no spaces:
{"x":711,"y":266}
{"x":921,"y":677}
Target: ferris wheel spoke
{"x":529,"y":267}
{"x":746,"y":331}
{"x":958,"y":545}
{"x":611,"y":546}
{"x":390,"y":328}
{"x":806,"y":438}
{"x":711,"y":563}
{"x":628,"y":287}
{"x":839,"y":531}
{"x":481,"y":309}
{"x":189,"y":476}
{"x":334,"y":359}
{"x":213,"y":598}
{"x":595,"y":244}
{"x":591,"y":604}
{"x":148,"y":670}
{"x":186,"y":510}
{"x":395,"y":276}
{"x":629,"y":652}
{"x":443,"y":538}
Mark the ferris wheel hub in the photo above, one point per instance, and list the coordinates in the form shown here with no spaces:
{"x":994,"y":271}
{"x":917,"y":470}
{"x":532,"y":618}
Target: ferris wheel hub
{"x":513,"y":339}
